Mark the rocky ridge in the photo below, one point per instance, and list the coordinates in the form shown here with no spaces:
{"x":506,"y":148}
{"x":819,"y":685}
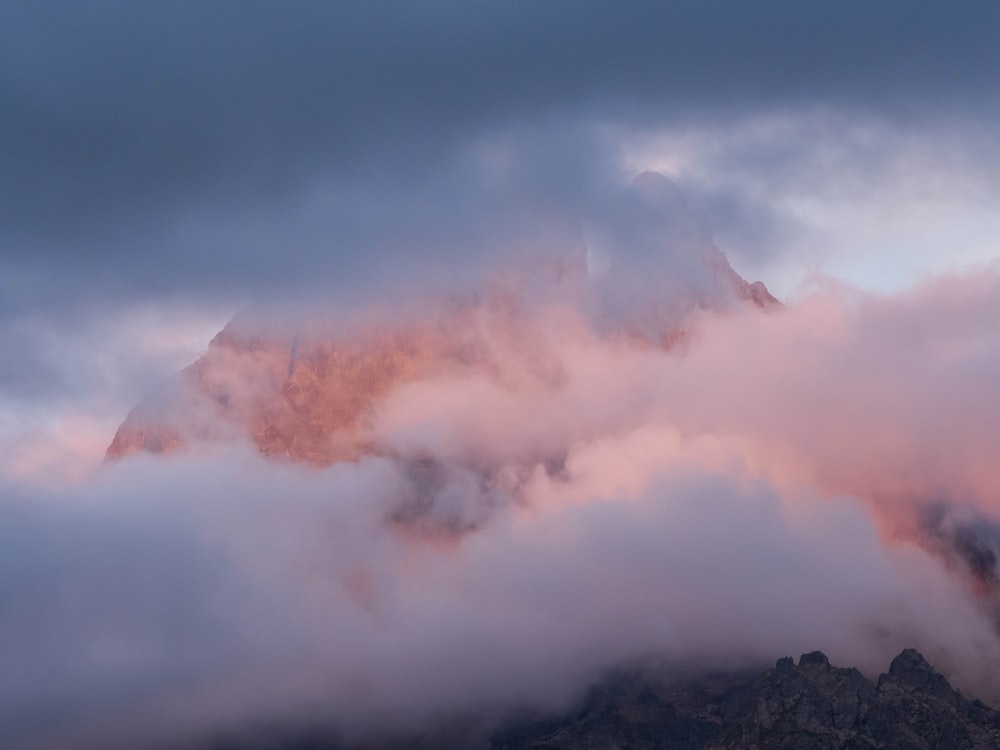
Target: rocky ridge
{"x":809,"y":706}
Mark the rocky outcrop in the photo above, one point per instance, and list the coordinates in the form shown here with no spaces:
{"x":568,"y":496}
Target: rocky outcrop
{"x":303,"y":395}
{"x":809,"y":706}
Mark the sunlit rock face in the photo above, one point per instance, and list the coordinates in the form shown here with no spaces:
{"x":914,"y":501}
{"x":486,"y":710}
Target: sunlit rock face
{"x":307,"y":386}
{"x":310,"y":394}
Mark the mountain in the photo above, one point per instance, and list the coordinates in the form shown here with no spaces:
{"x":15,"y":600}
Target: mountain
{"x":808,"y":706}
{"x":811,"y":705}
{"x":305,"y":386}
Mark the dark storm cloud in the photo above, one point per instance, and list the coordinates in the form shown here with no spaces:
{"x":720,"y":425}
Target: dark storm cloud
{"x":118,"y":118}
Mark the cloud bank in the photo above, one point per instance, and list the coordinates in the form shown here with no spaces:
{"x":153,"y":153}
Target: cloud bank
{"x":593,"y":489}
{"x":166,"y":151}
{"x":819,"y":476}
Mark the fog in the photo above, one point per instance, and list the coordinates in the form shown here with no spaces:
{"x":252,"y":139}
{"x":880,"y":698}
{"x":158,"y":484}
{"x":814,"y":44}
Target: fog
{"x":570,"y":438}
{"x":814,"y":476}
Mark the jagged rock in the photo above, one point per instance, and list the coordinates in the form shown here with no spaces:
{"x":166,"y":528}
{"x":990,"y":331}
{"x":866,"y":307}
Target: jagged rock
{"x":814,"y":659}
{"x":811,"y":706}
{"x":911,"y":671}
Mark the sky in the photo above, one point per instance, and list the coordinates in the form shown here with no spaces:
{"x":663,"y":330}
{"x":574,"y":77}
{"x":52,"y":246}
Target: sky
{"x":164,"y":166}
{"x":179,"y":161}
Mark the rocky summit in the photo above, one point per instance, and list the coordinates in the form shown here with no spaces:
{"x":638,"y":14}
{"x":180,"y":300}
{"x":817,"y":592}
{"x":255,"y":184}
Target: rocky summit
{"x":307,"y":385}
{"x":808,"y":706}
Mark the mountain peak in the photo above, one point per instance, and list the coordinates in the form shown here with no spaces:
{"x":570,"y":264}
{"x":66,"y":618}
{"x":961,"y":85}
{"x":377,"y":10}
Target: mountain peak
{"x":910,"y":661}
{"x":814,"y":659}
{"x":657,"y":188}
{"x":911,"y":671}
{"x":304,"y":387}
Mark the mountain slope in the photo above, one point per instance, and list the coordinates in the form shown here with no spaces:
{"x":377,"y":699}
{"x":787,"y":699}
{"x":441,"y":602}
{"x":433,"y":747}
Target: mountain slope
{"x":306,"y":386}
{"x":809,"y":706}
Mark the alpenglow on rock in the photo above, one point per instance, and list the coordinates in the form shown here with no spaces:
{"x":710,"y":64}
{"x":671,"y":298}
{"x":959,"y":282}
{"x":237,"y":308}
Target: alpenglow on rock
{"x":307,"y":386}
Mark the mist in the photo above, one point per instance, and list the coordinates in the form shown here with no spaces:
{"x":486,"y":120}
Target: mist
{"x":816,"y":475}
{"x":392,"y":370}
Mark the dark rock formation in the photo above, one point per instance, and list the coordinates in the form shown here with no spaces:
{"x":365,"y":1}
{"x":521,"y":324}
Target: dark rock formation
{"x":812,"y":706}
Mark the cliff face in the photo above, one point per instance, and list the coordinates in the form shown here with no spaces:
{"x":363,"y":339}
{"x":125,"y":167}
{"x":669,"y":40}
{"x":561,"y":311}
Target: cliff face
{"x":304,"y":396}
{"x":310,"y":394}
{"x":307,"y":389}
{"x":310,"y":397}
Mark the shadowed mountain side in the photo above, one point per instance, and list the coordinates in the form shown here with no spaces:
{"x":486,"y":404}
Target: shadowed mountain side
{"x":809,"y":706}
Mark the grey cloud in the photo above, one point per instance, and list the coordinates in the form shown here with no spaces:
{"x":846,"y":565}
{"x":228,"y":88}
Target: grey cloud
{"x":95,"y":358}
{"x":334,"y":235}
{"x":185,"y":151}
{"x":138,"y":593}
{"x":124,"y":122}
{"x":767,"y":180}
{"x":237,"y":593}
{"x":701,"y":513}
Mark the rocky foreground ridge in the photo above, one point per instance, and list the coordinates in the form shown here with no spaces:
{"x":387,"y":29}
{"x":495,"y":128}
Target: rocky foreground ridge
{"x":811,"y":705}
{"x":808,"y":706}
